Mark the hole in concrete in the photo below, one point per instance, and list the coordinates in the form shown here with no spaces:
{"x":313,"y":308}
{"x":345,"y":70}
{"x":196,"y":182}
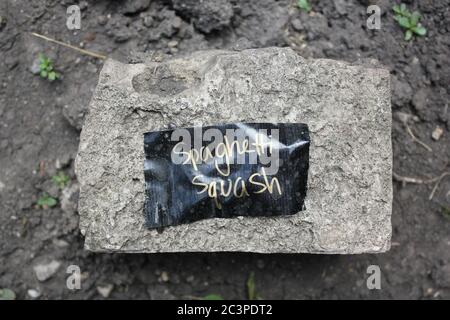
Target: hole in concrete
{"x":162,"y":82}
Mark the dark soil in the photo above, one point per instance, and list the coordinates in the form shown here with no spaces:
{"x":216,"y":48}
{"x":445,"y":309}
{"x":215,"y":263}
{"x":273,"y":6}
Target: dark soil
{"x":40,"y":123}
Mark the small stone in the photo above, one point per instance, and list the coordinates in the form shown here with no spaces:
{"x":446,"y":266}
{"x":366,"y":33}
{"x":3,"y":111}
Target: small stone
{"x":405,"y":118}
{"x":51,"y":188}
{"x":33,"y":293}
{"x":60,"y":243}
{"x":164,"y":276}
{"x":437,"y":133}
{"x":63,"y":161}
{"x":83,"y":5}
{"x":46,"y":271}
{"x":147,"y":21}
{"x":429,"y":291}
{"x":297,"y":24}
{"x":35,"y":66}
{"x":102,"y":20}
{"x":69,"y":198}
{"x":135,"y":6}
{"x":402,"y":91}
{"x":242,"y":43}
{"x":176,"y":23}
{"x":105,"y":290}
{"x":172,"y":43}
{"x":190,"y":279}
{"x":84,"y":275}
{"x":121,"y":35}
{"x":420,"y":99}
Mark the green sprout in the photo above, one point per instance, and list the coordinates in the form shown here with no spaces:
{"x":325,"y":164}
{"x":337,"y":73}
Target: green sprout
{"x":446,"y":212}
{"x":46,"y":68}
{"x":46,"y":201}
{"x":408,"y":21}
{"x":7,"y":294}
{"x":213,"y":297}
{"x":61,"y":180}
{"x":252,"y":294}
{"x":304,"y":5}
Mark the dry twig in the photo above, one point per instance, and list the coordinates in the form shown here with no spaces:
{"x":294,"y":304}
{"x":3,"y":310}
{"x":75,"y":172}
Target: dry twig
{"x":83,"y":51}
{"x":437,"y":184}
{"x":423,"y":144}
{"x":436,"y":180}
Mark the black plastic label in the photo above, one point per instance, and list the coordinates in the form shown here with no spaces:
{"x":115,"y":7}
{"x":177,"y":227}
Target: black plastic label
{"x":242,"y":169}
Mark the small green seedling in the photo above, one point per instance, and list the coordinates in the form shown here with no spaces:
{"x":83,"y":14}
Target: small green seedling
{"x":408,"y":21}
{"x":46,"y":68}
{"x":61,"y":180}
{"x":446,"y":212}
{"x":46,"y":201}
{"x":7,"y":294}
{"x":304,"y":5}
{"x":213,"y":297}
{"x":252,"y":294}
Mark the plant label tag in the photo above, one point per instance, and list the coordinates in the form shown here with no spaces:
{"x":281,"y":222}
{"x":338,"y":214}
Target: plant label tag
{"x":225,"y":171}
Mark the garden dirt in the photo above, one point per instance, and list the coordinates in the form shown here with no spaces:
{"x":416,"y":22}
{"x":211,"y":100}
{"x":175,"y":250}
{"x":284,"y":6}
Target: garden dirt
{"x":40,"y":122}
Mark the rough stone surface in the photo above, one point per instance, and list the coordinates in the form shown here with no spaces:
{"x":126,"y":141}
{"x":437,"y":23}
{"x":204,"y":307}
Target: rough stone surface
{"x":348,"y":111}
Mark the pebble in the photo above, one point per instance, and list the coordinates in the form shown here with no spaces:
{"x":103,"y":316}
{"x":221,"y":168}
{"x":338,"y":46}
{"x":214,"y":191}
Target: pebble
{"x":46,"y":271}
{"x":102,"y":20}
{"x":121,"y":35}
{"x":135,"y":6}
{"x":176,"y":23}
{"x":105,"y":290}
{"x":437,"y":133}
{"x":420,"y":99}
{"x":297,"y":24}
{"x":147,"y":21}
{"x":63,"y":161}
{"x":83,"y":5}
{"x":402,"y":91}
{"x":60,"y":243}
{"x":164,"y":276}
{"x":33,"y":293}
{"x":172,"y":43}
{"x":35,"y":66}
{"x":405,"y":117}
{"x":69,"y":198}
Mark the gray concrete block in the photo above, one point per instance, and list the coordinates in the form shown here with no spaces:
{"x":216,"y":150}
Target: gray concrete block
{"x":347,"y":108}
